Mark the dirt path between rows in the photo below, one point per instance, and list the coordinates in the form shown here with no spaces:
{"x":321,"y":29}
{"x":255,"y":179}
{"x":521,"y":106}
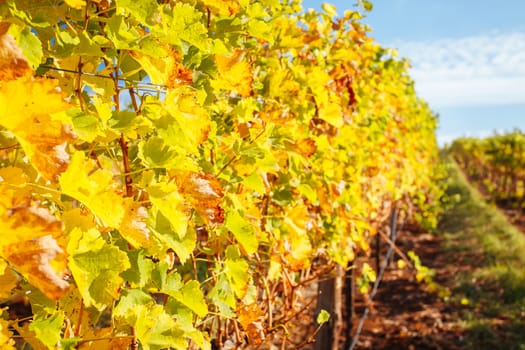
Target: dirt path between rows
{"x":405,"y":314}
{"x":484,"y":312}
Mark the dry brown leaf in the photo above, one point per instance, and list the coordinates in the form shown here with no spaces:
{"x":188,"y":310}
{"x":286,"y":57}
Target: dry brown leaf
{"x":13,"y":63}
{"x":28,"y":222}
{"x":255,"y":333}
{"x":305,"y":147}
{"x":204,"y":193}
{"x":38,"y":260}
{"x":29,"y":245}
{"x":249,"y":317}
{"x":248,"y":314}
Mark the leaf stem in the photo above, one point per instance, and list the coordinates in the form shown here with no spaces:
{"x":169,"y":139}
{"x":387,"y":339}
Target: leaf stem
{"x":79,"y":322}
{"x":134,"y":342}
{"x":133,"y":98}
{"x":125,"y":159}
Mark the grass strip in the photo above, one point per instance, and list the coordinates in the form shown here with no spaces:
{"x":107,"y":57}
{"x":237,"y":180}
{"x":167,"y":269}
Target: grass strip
{"x":489,"y":257}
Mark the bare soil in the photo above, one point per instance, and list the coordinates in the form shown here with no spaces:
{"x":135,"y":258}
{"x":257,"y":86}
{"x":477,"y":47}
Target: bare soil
{"x":405,"y":314}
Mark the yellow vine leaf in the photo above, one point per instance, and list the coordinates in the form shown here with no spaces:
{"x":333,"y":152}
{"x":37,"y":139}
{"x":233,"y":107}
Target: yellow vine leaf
{"x":29,"y":335}
{"x":43,"y":139}
{"x":13,"y":176}
{"x":78,"y":218}
{"x":368,"y":272}
{"x":234,"y":73}
{"x":329,"y":9}
{"x":3,"y":266}
{"x":171,"y":204}
{"x":297,"y":246}
{"x":21,"y":99}
{"x":76,"y":4}
{"x":248,"y":314}
{"x":222,"y":7}
{"x":96,"y":267}
{"x":192,"y":122}
{"x":6,"y":341}
{"x":93,"y":187}
{"x":133,"y":226}
{"x":8,"y":281}
{"x":167,"y":70}
{"x":331,"y":112}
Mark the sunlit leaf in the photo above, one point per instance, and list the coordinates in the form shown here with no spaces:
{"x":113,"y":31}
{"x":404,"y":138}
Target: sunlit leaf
{"x":300,"y":247}
{"x":48,"y":329}
{"x":164,"y":232}
{"x":234,"y":74}
{"x":155,"y":152}
{"x":96,"y":267}
{"x":171,"y":203}
{"x":222,"y":7}
{"x":184,"y":25}
{"x":76,"y":4}
{"x":43,"y":139}
{"x":141,"y":268}
{"x":27,"y":222}
{"x":133,"y":225}
{"x":323,"y":317}
{"x":94,"y":187}
{"x":191,"y":296}
{"x":166,"y":70}
{"x":154,"y":328}
{"x":29,"y":245}
{"x":242,"y":230}
{"x":249,"y":313}
{"x":31,"y":47}
{"x":187,"y":125}
{"x":329,"y":8}
{"x":236,"y":271}
{"x":145,"y":11}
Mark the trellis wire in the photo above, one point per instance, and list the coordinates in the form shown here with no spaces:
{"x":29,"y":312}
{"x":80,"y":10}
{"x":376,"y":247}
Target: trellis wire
{"x":149,"y":85}
{"x":384,"y":265}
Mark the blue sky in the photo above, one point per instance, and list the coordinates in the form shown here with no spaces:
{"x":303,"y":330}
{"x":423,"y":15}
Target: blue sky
{"x":468,"y":58}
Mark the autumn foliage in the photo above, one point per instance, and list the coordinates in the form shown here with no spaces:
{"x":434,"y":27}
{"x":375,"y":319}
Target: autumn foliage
{"x":496,"y":163}
{"x":172,"y":171}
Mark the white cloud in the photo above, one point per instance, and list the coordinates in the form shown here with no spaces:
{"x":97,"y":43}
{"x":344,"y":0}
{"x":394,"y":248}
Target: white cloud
{"x":479,"y":70}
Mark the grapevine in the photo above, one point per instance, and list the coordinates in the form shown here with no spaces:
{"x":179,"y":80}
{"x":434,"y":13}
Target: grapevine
{"x":173,"y":172}
{"x":496,"y":163}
